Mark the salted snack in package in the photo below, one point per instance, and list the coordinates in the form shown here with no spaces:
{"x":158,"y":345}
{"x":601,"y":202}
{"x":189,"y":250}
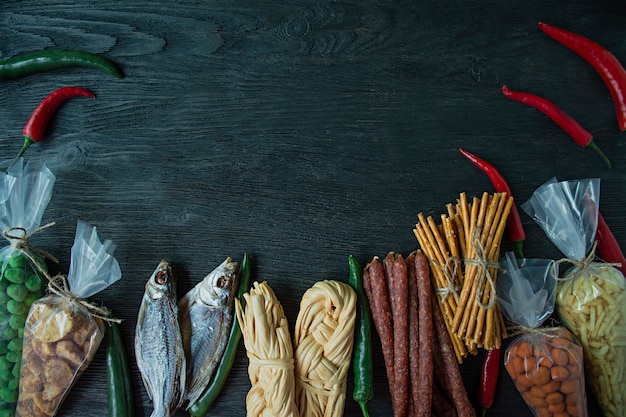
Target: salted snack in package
{"x":545,"y":363}
{"x":25,"y":192}
{"x":63,"y":330}
{"x":591,"y":295}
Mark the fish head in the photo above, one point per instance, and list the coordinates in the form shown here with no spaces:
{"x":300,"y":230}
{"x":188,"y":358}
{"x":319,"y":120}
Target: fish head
{"x":216,"y":289}
{"x":161,"y":283}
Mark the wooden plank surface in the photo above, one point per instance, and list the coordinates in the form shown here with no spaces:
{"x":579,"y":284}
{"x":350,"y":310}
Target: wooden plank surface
{"x":299,"y":132}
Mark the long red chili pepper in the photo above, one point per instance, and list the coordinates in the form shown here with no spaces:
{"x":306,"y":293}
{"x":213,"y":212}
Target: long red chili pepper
{"x":514,"y":222}
{"x":35,"y":127}
{"x":608,"y":248}
{"x":557,"y":115}
{"x":488,"y":379}
{"x":604,"y":62}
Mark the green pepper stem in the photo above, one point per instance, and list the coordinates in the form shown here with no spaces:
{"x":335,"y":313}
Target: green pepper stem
{"x":27,"y":142}
{"x":363,"y":406}
{"x":519,"y":245}
{"x":592,"y":145}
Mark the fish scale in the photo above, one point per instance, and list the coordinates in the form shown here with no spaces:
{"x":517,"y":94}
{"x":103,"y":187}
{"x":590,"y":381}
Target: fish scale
{"x":206,"y":316}
{"x":158,"y":344}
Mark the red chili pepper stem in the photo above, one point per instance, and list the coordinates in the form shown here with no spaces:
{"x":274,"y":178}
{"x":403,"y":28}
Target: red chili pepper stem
{"x":558,"y":116}
{"x":27,"y":142}
{"x":35,"y":127}
{"x":517,"y":235}
{"x":592,"y":145}
{"x":603,"y":61}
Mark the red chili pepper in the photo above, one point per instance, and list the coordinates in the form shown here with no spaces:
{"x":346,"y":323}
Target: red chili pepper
{"x":514,"y":222}
{"x":35,"y":127}
{"x":567,"y":123}
{"x":608,"y":248}
{"x":604,"y":62}
{"x":488,"y":379}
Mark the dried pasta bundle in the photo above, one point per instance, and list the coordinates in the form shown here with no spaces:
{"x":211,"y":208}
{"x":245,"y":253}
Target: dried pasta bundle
{"x":324,"y":335}
{"x":266,"y":337}
{"x":463,"y":252}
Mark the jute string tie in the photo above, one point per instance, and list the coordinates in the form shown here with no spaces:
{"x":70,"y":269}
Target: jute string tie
{"x":57,"y":284}
{"x":484,"y":276}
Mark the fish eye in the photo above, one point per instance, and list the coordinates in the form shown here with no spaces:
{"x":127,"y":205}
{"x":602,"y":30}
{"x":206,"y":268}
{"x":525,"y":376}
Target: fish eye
{"x":161,"y":277}
{"x":223,"y":282}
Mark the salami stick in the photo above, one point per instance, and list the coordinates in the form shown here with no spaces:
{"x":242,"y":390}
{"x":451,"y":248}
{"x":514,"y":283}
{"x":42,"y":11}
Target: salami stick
{"x":375,"y":287}
{"x":425,"y":371}
{"x":447,"y":372}
{"x":414,"y":342}
{"x":441,"y":406}
{"x":399,"y":294}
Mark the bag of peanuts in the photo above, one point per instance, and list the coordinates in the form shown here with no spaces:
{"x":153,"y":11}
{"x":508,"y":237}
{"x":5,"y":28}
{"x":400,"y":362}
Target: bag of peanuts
{"x":63,"y":330}
{"x":591,"y":295}
{"x":546,"y":364}
{"x":25,"y":191}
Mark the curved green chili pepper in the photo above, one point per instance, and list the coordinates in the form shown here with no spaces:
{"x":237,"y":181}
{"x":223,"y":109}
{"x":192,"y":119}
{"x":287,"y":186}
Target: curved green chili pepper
{"x":208,"y":397}
{"x":119,"y":385}
{"x":362,"y":362}
{"x":45,"y":60}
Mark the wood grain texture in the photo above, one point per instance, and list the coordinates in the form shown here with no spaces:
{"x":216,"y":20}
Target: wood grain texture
{"x":299,"y":132}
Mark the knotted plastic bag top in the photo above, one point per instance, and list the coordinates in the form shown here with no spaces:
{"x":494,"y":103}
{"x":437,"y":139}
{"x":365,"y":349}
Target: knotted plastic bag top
{"x":526,"y":290}
{"x":25,"y":192}
{"x":567,"y":211}
{"x":92,"y":266}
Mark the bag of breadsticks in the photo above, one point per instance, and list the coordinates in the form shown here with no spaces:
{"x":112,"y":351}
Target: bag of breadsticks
{"x":545,"y":363}
{"x":591,"y":294}
{"x":63,"y":330}
{"x":25,"y":192}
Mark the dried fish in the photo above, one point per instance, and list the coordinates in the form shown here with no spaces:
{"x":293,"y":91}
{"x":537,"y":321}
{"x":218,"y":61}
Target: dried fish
{"x":158,"y":343}
{"x":206,"y":316}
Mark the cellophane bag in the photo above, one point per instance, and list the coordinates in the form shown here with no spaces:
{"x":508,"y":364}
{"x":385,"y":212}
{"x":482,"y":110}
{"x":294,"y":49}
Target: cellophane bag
{"x":25,"y":191}
{"x":545,"y":363}
{"x":63,"y":330}
{"x":591,"y":295}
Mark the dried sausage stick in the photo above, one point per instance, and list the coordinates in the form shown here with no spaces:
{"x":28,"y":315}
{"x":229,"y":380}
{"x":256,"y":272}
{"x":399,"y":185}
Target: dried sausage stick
{"x":414,"y":343}
{"x":448,"y":373}
{"x":399,"y":295}
{"x":441,"y":407}
{"x":425,"y":371}
{"x":375,"y":287}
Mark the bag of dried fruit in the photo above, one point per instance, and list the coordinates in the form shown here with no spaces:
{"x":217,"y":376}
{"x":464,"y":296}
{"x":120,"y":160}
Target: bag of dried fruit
{"x":25,"y":191}
{"x":63,"y":330}
{"x":545,"y":363}
{"x":591,"y":294}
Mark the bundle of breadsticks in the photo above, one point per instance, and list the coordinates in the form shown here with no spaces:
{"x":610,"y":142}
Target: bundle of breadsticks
{"x":463,"y":251}
{"x":413,"y":335}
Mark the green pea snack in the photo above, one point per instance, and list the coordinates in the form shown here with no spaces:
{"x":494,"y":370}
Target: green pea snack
{"x":25,"y":192}
{"x":63,"y":331}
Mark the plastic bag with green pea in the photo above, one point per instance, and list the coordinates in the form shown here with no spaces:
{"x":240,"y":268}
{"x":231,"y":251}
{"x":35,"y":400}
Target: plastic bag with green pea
{"x":25,"y":191}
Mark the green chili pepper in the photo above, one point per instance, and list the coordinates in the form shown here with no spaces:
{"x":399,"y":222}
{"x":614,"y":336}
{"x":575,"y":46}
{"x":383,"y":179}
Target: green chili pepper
{"x":46,"y":60}
{"x":206,"y":400}
{"x":362,"y":362}
{"x":119,"y":385}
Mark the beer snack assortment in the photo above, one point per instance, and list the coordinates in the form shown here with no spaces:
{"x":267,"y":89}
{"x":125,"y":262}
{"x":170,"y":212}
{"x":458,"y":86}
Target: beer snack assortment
{"x":472,"y":298}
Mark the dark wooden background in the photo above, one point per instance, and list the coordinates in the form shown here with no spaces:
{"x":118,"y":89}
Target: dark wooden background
{"x":299,"y":132}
